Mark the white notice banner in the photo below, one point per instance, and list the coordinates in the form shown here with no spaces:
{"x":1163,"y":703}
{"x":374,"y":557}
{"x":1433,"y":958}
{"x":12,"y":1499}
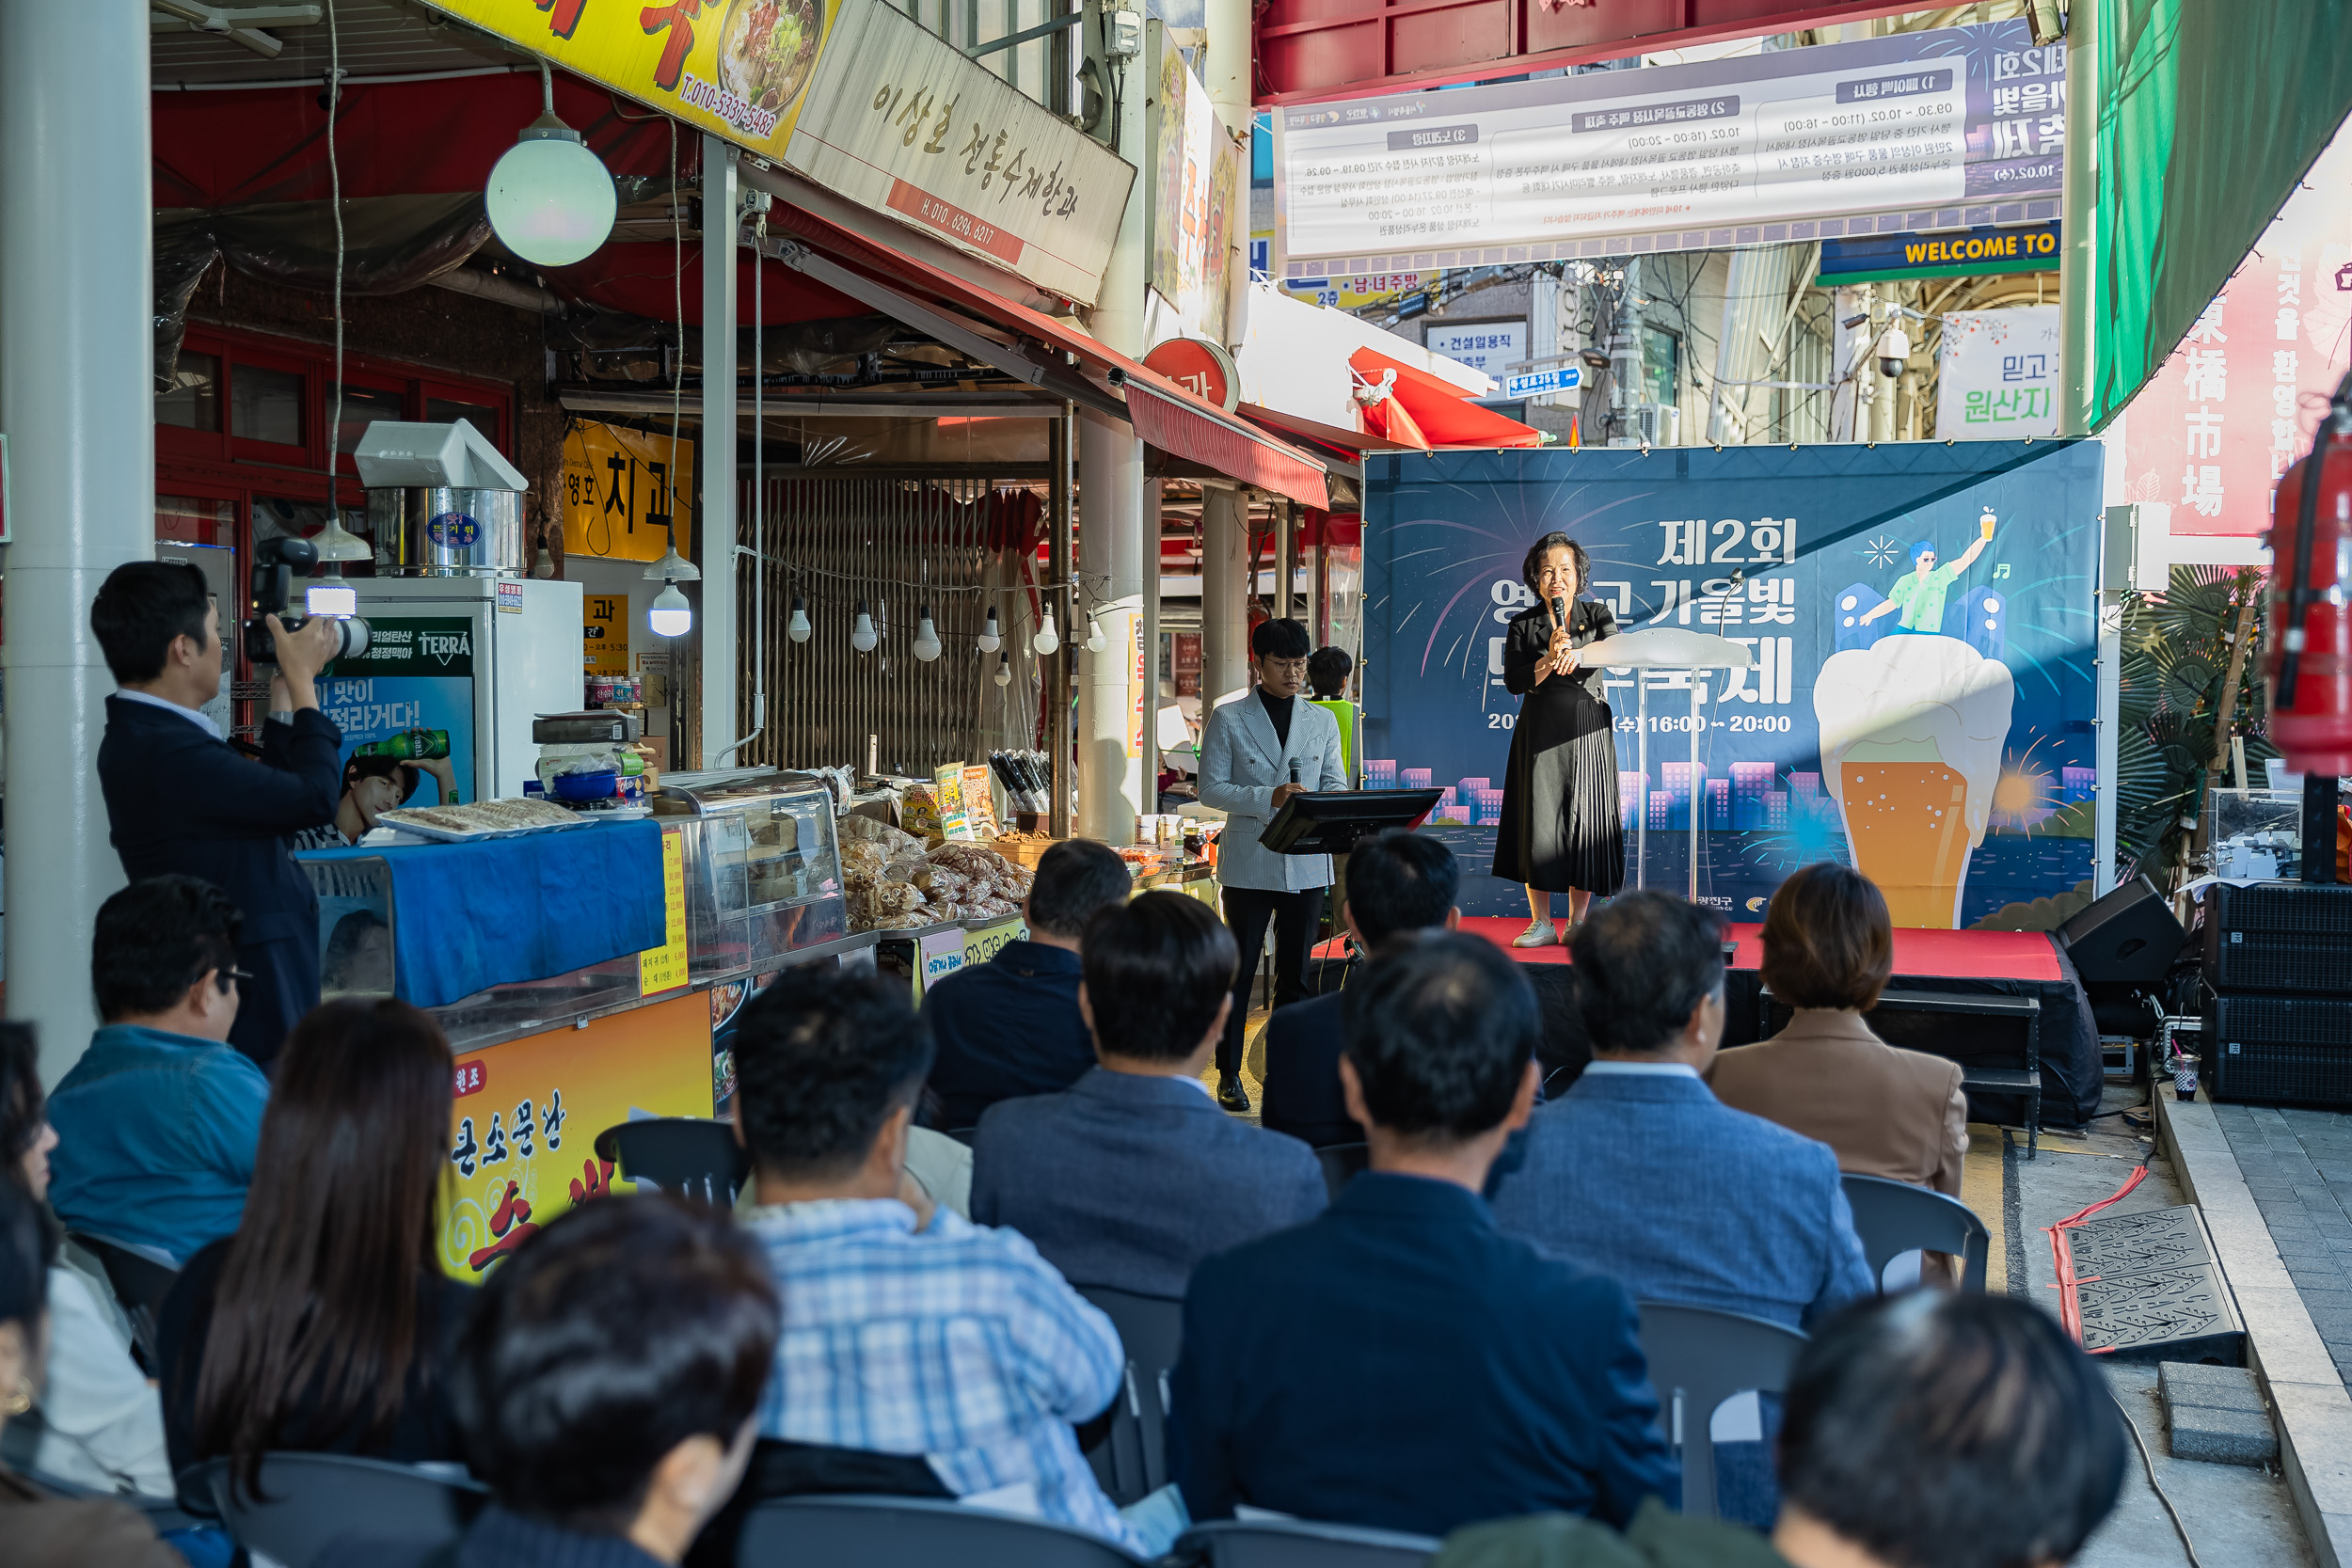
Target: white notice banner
{"x":1998,"y":374}
{"x":1490,"y":346}
{"x":898,"y":118}
{"x":1895,"y":126}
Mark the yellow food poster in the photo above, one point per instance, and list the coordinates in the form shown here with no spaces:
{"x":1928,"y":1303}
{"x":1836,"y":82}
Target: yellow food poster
{"x":604,"y":633}
{"x":663,"y":968}
{"x":985,"y":943}
{"x":621,"y":493}
{"x":523,"y":1129}
{"x":739,"y":68}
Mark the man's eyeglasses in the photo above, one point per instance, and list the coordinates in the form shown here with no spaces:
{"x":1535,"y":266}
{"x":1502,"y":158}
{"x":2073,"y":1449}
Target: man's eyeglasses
{"x":231,"y":976}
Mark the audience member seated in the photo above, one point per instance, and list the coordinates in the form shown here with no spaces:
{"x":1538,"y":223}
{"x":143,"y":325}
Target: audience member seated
{"x":1923,"y":1430}
{"x":45,"y":1531}
{"x":1134,"y":1175}
{"x":1637,"y":1171}
{"x":325,"y":1324}
{"x":1828,"y":950}
{"x":907,"y":1330}
{"x":1399,"y":1362}
{"x":157,"y":1121}
{"x":101,"y":1425}
{"x":1399,"y":882}
{"x":1010,"y":1027}
{"x":609,"y":1389}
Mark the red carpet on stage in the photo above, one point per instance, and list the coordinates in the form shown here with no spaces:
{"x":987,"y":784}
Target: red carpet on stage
{"x":1919,"y":953}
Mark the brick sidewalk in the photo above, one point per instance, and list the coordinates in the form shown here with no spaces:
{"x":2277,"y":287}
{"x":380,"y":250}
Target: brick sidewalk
{"x":2297,"y":1165}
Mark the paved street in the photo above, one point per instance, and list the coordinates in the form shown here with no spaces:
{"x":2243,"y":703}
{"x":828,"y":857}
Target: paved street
{"x":2298,"y":1167}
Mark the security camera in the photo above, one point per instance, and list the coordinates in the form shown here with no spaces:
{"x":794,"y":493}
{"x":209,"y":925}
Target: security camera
{"x":1894,"y":348}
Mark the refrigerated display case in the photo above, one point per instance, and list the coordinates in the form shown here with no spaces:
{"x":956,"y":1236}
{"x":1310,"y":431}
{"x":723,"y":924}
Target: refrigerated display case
{"x":762,"y":870}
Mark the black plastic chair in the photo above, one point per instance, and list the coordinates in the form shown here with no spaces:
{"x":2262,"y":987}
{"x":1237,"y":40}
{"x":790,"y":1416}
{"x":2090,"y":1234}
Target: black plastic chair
{"x":1302,"y":1543}
{"x":140,"y":1283}
{"x":1133,"y":1464}
{"x":912,"y":1532}
{"x":1698,"y":1358}
{"x":692,"y":1156}
{"x":1894,"y":1217}
{"x":1342,"y":1163}
{"x":311,"y":1501}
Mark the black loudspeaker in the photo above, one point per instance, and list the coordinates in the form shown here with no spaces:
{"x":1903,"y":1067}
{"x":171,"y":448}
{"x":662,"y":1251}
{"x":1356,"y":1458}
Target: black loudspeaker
{"x":2129,"y":938}
{"x":2279,"y":1050}
{"x":2279,"y":936}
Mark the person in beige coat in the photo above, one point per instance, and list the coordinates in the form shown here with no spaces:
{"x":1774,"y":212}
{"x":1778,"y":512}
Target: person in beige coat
{"x":1828,"y":950}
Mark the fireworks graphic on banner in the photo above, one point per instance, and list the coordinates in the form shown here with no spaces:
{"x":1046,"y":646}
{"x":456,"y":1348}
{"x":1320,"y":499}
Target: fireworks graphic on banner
{"x":1884,"y":551}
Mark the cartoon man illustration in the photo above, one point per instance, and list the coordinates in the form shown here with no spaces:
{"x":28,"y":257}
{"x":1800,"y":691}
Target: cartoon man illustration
{"x":1921,"y":596}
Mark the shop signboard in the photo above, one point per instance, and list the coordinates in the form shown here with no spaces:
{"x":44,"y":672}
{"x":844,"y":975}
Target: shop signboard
{"x":1199,"y":367}
{"x":1950,"y":128}
{"x":1196,"y":186}
{"x":524,"y":1125}
{"x":1882,"y":257}
{"x":1489,"y":346}
{"x":2239,"y":399}
{"x":1376,"y":291}
{"x":1998,"y":374}
{"x":408,"y":704}
{"x":739,"y":68}
{"x":663,"y":968}
{"x":620,"y":493}
{"x":604,"y":634}
{"x":1950,"y":757}
{"x":900,"y":121}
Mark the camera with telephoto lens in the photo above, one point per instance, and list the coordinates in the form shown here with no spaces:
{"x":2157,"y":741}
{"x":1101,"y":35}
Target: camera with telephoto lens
{"x":273,"y":564}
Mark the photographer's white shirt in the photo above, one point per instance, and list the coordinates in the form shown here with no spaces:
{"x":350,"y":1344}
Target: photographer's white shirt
{"x":202,"y":720}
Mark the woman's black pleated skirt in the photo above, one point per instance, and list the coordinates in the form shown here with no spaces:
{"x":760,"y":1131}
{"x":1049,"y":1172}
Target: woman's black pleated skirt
{"x":1561,"y":827}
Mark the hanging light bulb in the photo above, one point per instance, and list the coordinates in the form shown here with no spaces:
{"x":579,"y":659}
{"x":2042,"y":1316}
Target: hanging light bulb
{"x":1003,"y":673}
{"x":550,"y":200}
{"x":798,"y":628}
{"x":862,"y":636}
{"x":671,"y":615}
{"x":673,"y":567}
{"x":927,"y":644}
{"x":1048,"y":641}
{"x":336,"y":543}
{"x":1096,"y":642}
{"x":543,"y":565}
{"x":990,"y":638}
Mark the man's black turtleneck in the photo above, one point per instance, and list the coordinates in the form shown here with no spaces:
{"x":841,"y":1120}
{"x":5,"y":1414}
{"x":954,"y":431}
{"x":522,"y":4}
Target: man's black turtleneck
{"x":1280,"y":710}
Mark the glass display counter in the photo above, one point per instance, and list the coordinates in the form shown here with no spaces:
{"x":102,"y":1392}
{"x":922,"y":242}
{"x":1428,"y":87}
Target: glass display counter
{"x":762,"y":870}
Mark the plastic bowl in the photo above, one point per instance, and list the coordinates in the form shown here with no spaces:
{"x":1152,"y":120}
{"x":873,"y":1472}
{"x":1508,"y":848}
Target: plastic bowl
{"x":584,"y":786}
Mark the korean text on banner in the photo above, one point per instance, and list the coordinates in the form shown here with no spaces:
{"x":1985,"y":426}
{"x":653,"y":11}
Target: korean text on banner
{"x":523,"y":1128}
{"x":409,"y":702}
{"x":900,"y":119}
{"x":741,"y":72}
{"x":1998,"y":374}
{"x":620,"y":497}
{"x":663,"y":968}
{"x":1944,"y":129}
{"x":1196,"y":182}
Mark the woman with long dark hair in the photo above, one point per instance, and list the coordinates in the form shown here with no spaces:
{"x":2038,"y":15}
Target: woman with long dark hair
{"x":325,"y":1324}
{"x":1560,"y":830}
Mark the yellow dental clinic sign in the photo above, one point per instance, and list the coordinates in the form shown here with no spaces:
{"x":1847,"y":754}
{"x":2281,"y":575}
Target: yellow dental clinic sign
{"x":740,"y":69}
{"x":621,"y":496}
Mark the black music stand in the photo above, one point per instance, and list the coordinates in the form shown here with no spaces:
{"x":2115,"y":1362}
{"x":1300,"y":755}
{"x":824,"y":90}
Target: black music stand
{"x":1332,"y":823}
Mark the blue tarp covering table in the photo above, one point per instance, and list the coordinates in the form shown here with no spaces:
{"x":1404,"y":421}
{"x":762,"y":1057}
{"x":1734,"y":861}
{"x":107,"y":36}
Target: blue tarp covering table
{"x":470,"y":916}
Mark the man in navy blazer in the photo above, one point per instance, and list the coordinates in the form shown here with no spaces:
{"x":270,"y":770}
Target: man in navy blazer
{"x":181,"y":799}
{"x":1398,"y":881}
{"x":1132,"y":1175}
{"x":1400,"y":1362}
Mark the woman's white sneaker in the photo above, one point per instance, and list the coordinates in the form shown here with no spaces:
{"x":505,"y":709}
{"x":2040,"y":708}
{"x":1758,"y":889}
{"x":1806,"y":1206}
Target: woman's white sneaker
{"x":1538,"y":934}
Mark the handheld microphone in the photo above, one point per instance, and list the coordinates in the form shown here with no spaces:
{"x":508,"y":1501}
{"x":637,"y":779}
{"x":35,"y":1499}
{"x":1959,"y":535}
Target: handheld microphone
{"x":1293,"y":771}
{"x":1559,"y":609}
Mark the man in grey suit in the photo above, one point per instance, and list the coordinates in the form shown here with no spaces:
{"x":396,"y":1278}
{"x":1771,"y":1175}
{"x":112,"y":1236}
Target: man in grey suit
{"x":1131,"y":1175}
{"x":1638,"y":1172}
{"x":1255,"y":754}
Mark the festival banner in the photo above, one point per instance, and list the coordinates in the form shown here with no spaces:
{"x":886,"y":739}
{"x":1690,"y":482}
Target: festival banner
{"x":1923,"y":713}
{"x":523,"y":1129}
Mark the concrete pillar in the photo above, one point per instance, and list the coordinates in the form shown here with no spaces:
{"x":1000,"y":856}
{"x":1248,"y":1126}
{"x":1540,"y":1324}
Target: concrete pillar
{"x":2079,"y":260}
{"x":1148,"y":632}
{"x":1111,"y":568}
{"x":1224,"y":599}
{"x":1225,"y":69}
{"x":77,"y":337}
{"x":721,"y":197}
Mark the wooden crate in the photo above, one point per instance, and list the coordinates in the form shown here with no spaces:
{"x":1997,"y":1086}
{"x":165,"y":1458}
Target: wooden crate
{"x":1022,"y":851}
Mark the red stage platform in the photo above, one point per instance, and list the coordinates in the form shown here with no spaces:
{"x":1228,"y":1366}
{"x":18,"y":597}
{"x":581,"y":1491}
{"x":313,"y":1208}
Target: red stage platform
{"x":1919,"y":953}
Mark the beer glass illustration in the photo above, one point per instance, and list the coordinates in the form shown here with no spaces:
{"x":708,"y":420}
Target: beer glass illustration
{"x":1912,"y":732}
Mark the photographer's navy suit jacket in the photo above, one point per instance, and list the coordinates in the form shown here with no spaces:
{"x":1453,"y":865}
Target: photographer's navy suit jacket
{"x":178,"y":801}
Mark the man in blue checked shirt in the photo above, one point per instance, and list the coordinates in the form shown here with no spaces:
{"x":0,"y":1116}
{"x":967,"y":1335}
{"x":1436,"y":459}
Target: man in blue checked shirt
{"x":908,"y":1330}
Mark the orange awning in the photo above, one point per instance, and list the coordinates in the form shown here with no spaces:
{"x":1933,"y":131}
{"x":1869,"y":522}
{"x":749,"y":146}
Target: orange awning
{"x":1425,"y":411}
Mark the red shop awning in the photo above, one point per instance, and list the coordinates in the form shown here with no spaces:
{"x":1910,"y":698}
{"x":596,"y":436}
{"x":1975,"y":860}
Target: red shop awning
{"x":1422,"y":410}
{"x":1164,"y":414}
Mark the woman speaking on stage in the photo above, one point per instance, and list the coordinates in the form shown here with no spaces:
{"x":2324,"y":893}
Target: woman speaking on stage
{"x":1560,"y":830}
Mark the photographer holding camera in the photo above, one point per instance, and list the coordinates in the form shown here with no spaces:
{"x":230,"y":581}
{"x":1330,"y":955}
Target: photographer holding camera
{"x":180,"y":798}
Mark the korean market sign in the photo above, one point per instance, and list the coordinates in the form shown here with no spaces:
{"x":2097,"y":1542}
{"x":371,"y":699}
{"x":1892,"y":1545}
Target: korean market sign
{"x":1196,"y":182}
{"x":1998,"y":374}
{"x":2239,"y":399}
{"x":902,"y":122}
{"x":1929,"y":132}
{"x":739,"y":68}
{"x":620,"y":493}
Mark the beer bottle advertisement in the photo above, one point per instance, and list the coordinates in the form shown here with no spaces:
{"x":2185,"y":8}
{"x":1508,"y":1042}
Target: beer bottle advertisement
{"x":405,"y":709}
{"x":1921,"y":630}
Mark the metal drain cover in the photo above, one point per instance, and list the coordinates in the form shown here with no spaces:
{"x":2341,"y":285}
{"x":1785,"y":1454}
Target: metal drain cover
{"x":2145,"y":1288}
